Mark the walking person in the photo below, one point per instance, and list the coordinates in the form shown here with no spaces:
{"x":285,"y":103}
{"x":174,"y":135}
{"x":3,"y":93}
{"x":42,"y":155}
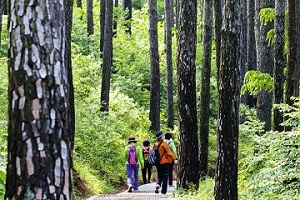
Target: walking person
{"x":166,"y":159}
{"x":133,"y":158}
{"x":147,"y":170}
{"x":170,"y":142}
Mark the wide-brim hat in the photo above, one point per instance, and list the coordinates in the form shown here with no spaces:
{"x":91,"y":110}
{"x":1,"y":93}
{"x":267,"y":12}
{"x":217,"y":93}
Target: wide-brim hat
{"x":131,"y":139}
{"x":159,"y":134}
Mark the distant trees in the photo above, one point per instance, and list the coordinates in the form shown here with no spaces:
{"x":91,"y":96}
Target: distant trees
{"x":40,"y":140}
{"x":186,"y":88}
{"x":228,"y":113}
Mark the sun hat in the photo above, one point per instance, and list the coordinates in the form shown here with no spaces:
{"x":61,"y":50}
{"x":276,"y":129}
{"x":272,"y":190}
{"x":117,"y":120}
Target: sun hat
{"x":131,"y":139}
{"x":159,"y":134}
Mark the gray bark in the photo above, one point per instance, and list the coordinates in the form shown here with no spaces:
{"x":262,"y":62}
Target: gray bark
{"x":279,"y":62}
{"x":154,"y":115}
{"x":90,"y":17}
{"x":39,"y":136}
{"x":265,"y":64}
{"x":186,"y":78}
{"x":205,"y":87}
{"x":169,"y":63}
{"x":107,"y":56}
{"x":292,"y":79}
{"x":102,"y":24}
{"x":228,"y":114}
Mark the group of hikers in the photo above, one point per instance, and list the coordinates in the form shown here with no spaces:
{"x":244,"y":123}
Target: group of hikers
{"x":136,"y":157}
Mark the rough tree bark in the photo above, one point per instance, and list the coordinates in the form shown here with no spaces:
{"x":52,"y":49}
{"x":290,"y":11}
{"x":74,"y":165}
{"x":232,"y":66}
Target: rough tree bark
{"x":39,"y":136}
{"x":90,"y":17}
{"x":279,"y":62}
{"x":228,"y":114}
{"x":154,"y":115}
{"x":169,"y":63}
{"x":107,"y":56}
{"x":188,"y":174}
{"x":205,"y":87}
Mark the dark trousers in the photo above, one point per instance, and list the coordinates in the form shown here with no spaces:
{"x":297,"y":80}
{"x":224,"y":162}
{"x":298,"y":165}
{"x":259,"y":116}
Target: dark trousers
{"x":147,"y":170}
{"x":162,"y":177}
{"x":171,"y":174}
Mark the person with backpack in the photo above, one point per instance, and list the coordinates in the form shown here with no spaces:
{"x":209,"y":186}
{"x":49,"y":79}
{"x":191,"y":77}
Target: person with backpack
{"x":134,"y":158}
{"x":169,"y":141}
{"x":166,"y":159}
{"x":147,"y":166}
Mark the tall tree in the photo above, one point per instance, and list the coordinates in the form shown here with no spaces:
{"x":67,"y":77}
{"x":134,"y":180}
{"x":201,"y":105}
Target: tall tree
{"x":1,"y":17}
{"x":168,"y":47}
{"x":251,"y":61}
{"x":279,"y":62}
{"x":218,"y":25}
{"x":90,"y":17}
{"x":265,"y":64}
{"x":228,"y":114}
{"x":186,"y":79}
{"x":79,"y":3}
{"x":292,"y":78}
{"x":127,"y":6}
{"x":102,"y":24}
{"x":205,"y":86}
{"x":39,"y":136}
{"x":154,"y":115}
{"x":107,"y":56}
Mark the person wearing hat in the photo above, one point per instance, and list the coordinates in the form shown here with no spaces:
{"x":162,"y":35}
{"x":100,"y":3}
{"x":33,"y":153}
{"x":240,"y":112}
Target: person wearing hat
{"x":132,"y":164}
{"x":166,"y":160}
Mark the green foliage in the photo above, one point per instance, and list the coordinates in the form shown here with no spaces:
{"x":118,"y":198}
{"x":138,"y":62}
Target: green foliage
{"x":271,"y":37}
{"x":256,"y":81}
{"x":266,"y":15}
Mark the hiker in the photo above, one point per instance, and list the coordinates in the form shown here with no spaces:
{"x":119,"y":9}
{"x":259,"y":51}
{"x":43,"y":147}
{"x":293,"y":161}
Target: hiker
{"x":133,"y":158}
{"x":166,"y":159}
{"x":169,"y":141}
{"x":147,"y":167}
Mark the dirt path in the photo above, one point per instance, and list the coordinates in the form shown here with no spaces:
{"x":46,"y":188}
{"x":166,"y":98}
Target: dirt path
{"x":145,"y":192}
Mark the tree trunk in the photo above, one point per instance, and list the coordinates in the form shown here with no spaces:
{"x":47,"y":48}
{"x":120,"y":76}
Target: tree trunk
{"x":154,"y":115}
{"x":218,"y":26}
{"x":243,"y":46}
{"x":279,"y":62}
{"x":127,"y":6}
{"x":292,"y":79}
{"x":107,"y":56}
{"x":168,"y":44}
{"x":251,"y":47}
{"x":265,"y":65}
{"x":79,"y":3}
{"x":102,"y":25}
{"x":228,"y":114}
{"x":187,"y":111}
{"x":39,"y":132}
{"x":205,"y":87}
{"x":90,"y":15}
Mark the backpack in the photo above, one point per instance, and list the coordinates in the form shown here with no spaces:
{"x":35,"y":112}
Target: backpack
{"x":154,"y":158}
{"x":132,"y":155}
{"x":146,"y":152}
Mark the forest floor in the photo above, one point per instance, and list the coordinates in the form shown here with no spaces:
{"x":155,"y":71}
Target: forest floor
{"x":145,"y":192}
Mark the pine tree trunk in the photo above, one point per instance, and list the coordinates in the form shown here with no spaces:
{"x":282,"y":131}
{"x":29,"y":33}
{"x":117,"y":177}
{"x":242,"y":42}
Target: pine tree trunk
{"x":169,"y":64}
{"x":154,"y":115}
{"x":205,"y":86}
{"x":90,"y":15}
{"x":187,"y":112}
{"x":107,"y":56}
{"x":40,"y":140}
{"x":228,"y":114}
{"x":279,"y":62}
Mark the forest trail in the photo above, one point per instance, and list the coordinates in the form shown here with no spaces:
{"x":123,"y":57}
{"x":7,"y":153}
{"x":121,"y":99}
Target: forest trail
{"x":145,"y":192}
